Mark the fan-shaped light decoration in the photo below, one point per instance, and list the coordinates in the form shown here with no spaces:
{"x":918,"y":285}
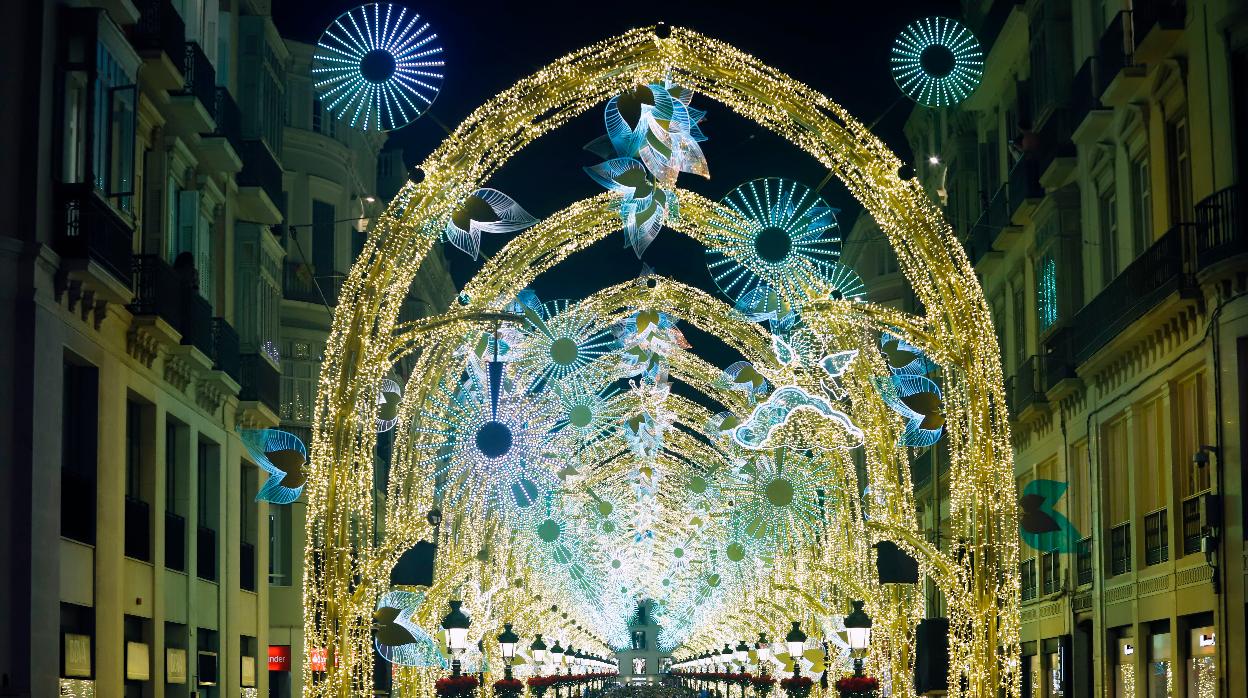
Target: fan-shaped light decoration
{"x":589,"y":415}
{"x":1042,"y":527}
{"x":937,"y":62}
{"x":486,"y":211}
{"x":755,"y":431}
{"x":388,"y":405}
{"x":652,"y":136}
{"x":904,"y":357}
{"x":282,"y":455}
{"x":768,"y":253}
{"x":648,"y":337}
{"x":397,"y":637}
{"x":557,"y":342}
{"x":742,"y":376}
{"x":496,"y":433}
{"x":917,"y":399}
{"x":378,"y":67}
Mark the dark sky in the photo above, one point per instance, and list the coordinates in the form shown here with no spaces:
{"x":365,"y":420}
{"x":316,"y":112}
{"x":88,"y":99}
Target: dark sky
{"x":839,"y":48}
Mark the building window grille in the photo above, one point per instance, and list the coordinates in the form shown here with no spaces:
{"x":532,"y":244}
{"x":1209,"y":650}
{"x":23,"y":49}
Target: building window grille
{"x":1051,"y":572}
{"x":1027,"y":571}
{"x":1120,"y":549}
{"x":1083,"y":560}
{"x":1156,"y":537}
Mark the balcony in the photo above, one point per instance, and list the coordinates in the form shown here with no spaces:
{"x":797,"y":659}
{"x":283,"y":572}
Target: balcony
{"x":159,"y":291}
{"x":1023,"y":190}
{"x":988,"y":26}
{"x":1120,"y":549}
{"x":261,"y":387}
{"x":301,"y":283}
{"x":175,"y":542}
{"x":259,"y":184}
{"x":1145,"y":282}
{"x":160,"y":37}
{"x":1158,"y":26}
{"x":196,"y":326}
{"x":224,"y":351}
{"x":1087,"y":112}
{"x":192,"y":106}
{"x":994,"y":219}
{"x":1221,"y":231}
{"x":206,"y":553}
{"x":1027,"y":390}
{"x":1156,"y":537}
{"x":1083,"y":561}
{"x":1119,"y":71}
{"x":247,"y":566}
{"x":89,"y":233}
{"x":218,"y":149}
{"x":138,"y":531}
{"x":1057,"y":158}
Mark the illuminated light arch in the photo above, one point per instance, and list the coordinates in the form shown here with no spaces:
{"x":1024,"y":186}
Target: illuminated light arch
{"x":983,"y":595}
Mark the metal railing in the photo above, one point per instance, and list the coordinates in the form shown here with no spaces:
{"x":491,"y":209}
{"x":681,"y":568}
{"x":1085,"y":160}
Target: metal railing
{"x":227,"y":117}
{"x":300,"y":283}
{"x":247,"y":566}
{"x":260,"y":382}
{"x":225,"y":348}
{"x":175,"y":541}
{"x":206,"y":553}
{"x":200,"y":78}
{"x":1192,"y":530}
{"x":158,"y":290}
{"x":1025,"y":387}
{"x":138,"y":533}
{"x":160,"y":28}
{"x":260,"y":169}
{"x":1221,"y":231}
{"x":1156,"y":537}
{"x":1083,"y":561}
{"x":1157,"y":273}
{"x":1023,"y":183}
{"x":1116,"y":47}
{"x":1085,"y":91}
{"x":196,"y":326}
{"x":994,"y":217}
{"x":88,"y":228}
{"x":1120,"y":549}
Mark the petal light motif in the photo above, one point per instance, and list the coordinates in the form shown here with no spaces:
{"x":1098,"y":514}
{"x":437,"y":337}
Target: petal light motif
{"x":282,"y":455}
{"x":388,"y":405}
{"x":397,"y":637}
{"x":918,"y":400}
{"x":486,"y":211}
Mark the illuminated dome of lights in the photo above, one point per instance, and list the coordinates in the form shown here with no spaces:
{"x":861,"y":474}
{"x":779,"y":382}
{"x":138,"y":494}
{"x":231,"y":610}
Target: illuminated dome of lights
{"x":378,"y":67}
{"x":937,"y":61}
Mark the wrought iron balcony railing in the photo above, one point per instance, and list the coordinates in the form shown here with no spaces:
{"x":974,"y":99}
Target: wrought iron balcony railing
{"x":88,"y":228}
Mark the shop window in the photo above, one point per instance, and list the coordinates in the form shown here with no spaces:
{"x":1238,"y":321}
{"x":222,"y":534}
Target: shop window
{"x":1202,"y":663}
{"x":1160,"y":673}
{"x":1124,"y":671}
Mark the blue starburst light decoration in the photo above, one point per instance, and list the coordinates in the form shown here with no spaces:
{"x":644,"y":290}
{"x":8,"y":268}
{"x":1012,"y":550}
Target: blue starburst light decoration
{"x":282,"y":455}
{"x":775,"y":247}
{"x":490,"y":431}
{"x":783,"y":498}
{"x":937,"y":61}
{"x":378,"y":67}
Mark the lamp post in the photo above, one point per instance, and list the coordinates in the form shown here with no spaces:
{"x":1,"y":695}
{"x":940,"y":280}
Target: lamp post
{"x":456,"y":624}
{"x":795,"y":642}
{"x":763,"y":648}
{"x":507,"y":643}
{"x":742,"y":655}
{"x":556,"y":657}
{"x":858,"y":628}
{"x":538,"y":648}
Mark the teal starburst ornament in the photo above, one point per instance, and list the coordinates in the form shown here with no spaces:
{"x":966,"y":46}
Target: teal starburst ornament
{"x":378,"y":67}
{"x":782,"y":498}
{"x":777,"y":247}
{"x":937,"y":61}
{"x":557,"y":343}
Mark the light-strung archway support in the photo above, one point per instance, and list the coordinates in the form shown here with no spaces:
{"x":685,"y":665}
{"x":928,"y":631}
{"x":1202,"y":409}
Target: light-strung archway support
{"x":347,"y":567}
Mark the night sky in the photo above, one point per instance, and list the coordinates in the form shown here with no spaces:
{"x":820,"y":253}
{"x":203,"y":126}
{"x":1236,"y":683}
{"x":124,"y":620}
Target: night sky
{"x":840,"y":49}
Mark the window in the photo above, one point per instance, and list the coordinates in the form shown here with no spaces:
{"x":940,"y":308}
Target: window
{"x":998,"y":321}
{"x":1020,"y":321}
{"x":323,"y":239}
{"x":1179,"y":143}
{"x":298,"y":389}
{"x":79,"y":433}
{"x":1141,"y":203}
{"x":1027,"y":571}
{"x":280,"y":533}
{"x":1116,"y":489}
{"x":1188,"y":417}
{"x":1051,"y":572}
{"x":112,"y":158}
{"x":137,"y":513}
{"x":1079,"y":497}
{"x":175,"y":493}
{"x":1107,"y":214}
{"x":1047,"y":308}
{"x":206,"y":532}
{"x":1152,"y":466}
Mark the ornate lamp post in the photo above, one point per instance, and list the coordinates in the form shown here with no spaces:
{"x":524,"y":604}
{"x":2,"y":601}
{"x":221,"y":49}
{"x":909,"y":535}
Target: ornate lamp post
{"x":742,"y":655}
{"x":507,"y":643}
{"x":556,"y":658}
{"x":858,"y":628}
{"x":456,"y":624}
{"x":538,"y":648}
{"x":795,"y":643}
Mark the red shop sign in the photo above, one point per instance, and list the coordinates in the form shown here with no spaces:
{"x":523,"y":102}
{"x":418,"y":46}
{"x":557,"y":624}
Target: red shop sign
{"x":279,"y":657}
{"x":318,"y":658}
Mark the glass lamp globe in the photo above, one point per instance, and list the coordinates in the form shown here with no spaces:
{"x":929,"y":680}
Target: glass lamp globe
{"x":456,"y":624}
{"x":764,"y":649}
{"x":858,"y":628}
{"x":795,"y":641}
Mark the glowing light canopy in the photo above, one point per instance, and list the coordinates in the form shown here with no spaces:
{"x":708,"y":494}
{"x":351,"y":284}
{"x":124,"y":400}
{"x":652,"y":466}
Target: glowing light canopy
{"x":937,"y":61}
{"x":378,"y":67}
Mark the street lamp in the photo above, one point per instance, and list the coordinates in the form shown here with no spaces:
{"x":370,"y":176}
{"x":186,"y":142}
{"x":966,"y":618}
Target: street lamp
{"x":858,"y":628}
{"x":538,"y":648}
{"x":725,"y":656}
{"x":507,"y":642}
{"x":456,"y":624}
{"x":795,"y":642}
{"x":742,"y":655}
{"x":764,"y":653}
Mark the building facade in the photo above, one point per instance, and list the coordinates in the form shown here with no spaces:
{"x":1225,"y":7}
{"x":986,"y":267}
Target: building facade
{"x":1097,"y":177}
{"x":189,"y":212}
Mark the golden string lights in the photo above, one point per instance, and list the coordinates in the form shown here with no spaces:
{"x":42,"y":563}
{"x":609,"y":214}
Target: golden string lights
{"x":354,"y":541}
